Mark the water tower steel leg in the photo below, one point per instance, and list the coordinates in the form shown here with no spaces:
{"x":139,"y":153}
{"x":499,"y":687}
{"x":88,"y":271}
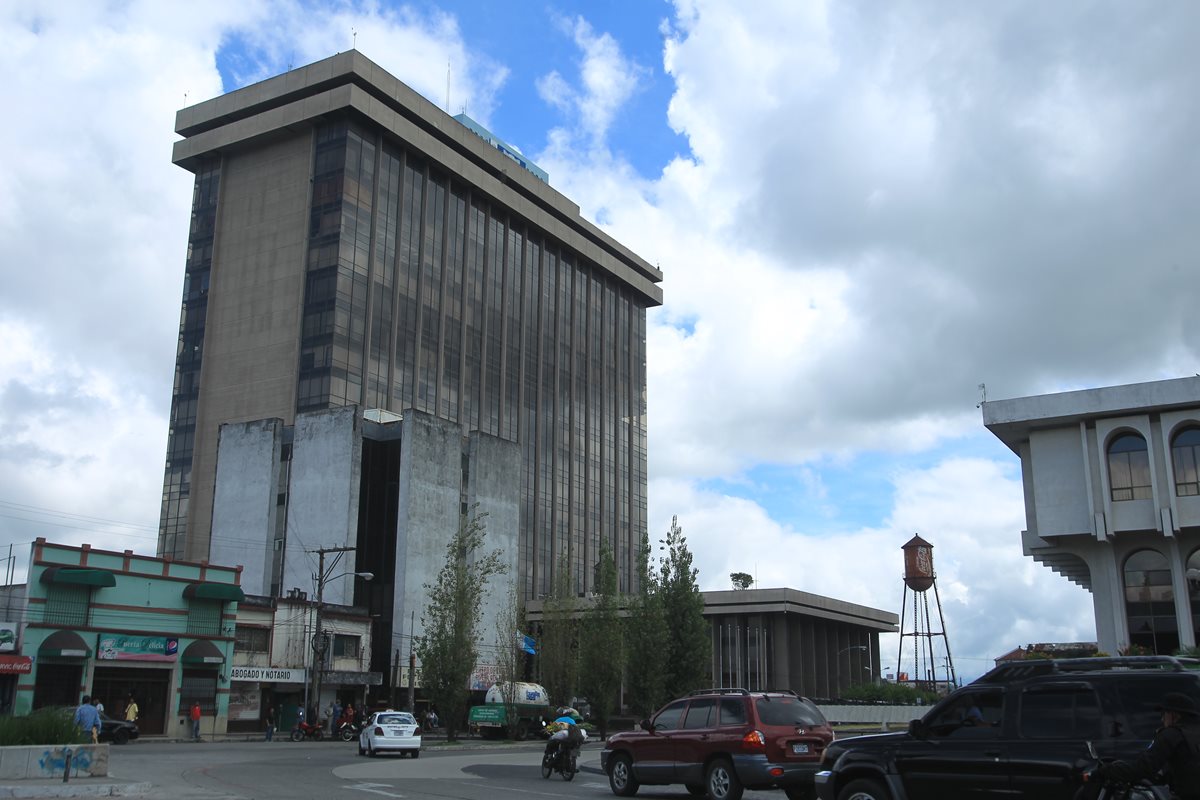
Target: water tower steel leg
{"x":900,"y":645}
{"x":949,"y":658}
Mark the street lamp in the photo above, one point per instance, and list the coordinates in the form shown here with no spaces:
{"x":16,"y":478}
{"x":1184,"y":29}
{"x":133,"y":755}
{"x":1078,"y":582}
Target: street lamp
{"x":319,"y":645}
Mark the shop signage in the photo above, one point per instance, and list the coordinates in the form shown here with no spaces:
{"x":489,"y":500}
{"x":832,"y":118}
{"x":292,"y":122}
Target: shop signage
{"x":268,"y":674}
{"x":8,"y":637}
{"x":119,"y":647}
{"x":16,"y":665}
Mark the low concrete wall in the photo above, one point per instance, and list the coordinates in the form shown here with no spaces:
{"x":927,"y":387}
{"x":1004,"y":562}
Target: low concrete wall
{"x":891,"y":716}
{"x":50,"y":761}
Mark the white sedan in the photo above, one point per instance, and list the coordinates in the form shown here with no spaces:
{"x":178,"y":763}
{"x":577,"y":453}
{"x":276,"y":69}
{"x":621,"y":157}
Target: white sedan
{"x":390,"y":730}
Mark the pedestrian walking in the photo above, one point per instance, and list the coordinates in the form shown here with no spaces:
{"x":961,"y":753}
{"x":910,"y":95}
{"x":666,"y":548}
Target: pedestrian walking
{"x":196,"y":720}
{"x":335,"y":716}
{"x":88,"y":719}
{"x":270,"y":723}
{"x":131,"y":709}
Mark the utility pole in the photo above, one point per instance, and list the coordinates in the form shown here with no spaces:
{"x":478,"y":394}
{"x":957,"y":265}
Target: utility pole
{"x":412,"y":664}
{"x":319,"y":644}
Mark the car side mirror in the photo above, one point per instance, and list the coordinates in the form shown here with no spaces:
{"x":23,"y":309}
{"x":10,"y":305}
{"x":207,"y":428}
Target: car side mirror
{"x":646,"y":726}
{"x":917,"y":729}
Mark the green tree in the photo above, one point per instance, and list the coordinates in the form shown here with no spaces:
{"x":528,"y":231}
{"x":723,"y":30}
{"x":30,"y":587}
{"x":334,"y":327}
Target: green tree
{"x":741,"y":580}
{"x":601,"y":643}
{"x":559,"y":664}
{"x":449,"y":646}
{"x":689,"y":640}
{"x":510,"y":654}
{"x":645,"y":637}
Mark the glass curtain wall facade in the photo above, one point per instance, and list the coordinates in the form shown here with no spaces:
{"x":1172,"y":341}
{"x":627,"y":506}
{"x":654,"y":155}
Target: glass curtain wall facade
{"x":423,"y":293}
{"x":190,"y":352}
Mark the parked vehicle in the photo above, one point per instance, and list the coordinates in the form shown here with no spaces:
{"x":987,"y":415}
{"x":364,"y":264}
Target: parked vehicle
{"x":117,"y":731}
{"x":720,"y":742}
{"x":390,"y":730}
{"x":308,"y":730}
{"x":1021,"y":730}
{"x":532,"y":708}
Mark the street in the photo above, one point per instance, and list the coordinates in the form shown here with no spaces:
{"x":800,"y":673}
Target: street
{"x":291,"y":771}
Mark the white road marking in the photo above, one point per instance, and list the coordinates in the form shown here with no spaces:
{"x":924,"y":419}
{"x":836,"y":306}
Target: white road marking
{"x":375,"y":788}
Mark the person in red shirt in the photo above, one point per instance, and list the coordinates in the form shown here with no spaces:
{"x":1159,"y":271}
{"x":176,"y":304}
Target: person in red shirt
{"x":196,"y":720}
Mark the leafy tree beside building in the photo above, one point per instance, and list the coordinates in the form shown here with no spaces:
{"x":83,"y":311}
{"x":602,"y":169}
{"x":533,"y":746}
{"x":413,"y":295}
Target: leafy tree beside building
{"x":559,"y":663}
{"x":645,"y":640}
{"x":601,"y":643}
{"x":689,"y":640}
{"x":449,"y":647}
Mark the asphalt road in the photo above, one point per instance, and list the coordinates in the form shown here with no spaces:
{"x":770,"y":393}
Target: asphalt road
{"x":303,"y":770}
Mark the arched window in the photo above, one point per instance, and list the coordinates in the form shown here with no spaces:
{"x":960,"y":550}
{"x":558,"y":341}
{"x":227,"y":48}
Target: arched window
{"x":1150,"y":602}
{"x":1185,"y":453}
{"x":1129,"y":468}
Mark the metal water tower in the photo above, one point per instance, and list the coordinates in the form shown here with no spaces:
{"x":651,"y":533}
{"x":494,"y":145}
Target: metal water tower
{"x":919,"y":577}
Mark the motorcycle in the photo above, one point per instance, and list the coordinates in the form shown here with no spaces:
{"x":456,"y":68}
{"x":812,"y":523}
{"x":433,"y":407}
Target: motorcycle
{"x":308,"y":730}
{"x":347,"y":730}
{"x":1096,"y":788}
{"x":563,"y":760}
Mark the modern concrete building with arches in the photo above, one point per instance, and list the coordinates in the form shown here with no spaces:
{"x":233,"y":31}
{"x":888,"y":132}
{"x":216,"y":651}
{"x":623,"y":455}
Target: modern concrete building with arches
{"x":1112,"y":502}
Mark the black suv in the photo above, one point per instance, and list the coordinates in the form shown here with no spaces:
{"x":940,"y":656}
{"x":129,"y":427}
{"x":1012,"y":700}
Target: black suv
{"x":1022,"y":730}
{"x":718,"y":742}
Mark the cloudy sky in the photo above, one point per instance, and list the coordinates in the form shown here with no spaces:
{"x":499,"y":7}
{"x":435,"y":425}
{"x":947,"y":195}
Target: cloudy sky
{"x":863,"y":211}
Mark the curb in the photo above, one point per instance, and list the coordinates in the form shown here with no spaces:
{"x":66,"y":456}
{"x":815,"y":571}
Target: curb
{"x":77,"y":789}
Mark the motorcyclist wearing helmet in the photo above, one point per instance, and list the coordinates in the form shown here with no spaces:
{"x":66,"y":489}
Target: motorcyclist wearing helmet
{"x":1176,"y":747}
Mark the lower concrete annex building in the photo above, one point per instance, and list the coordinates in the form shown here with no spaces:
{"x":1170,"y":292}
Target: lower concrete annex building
{"x":1112,"y":502}
{"x":387,"y":319}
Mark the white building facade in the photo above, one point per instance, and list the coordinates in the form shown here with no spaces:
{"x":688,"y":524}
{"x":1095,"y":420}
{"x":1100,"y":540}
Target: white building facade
{"x":1112,"y":502}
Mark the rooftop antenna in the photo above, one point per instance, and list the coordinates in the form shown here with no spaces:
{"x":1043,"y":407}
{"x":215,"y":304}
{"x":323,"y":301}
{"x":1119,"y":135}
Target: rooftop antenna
{"x":982,"y":395}
{"x":353,"y":39}
{"x":447,"y":86}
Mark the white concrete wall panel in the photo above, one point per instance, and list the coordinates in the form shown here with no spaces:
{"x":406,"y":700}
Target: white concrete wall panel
{"x":244,"y":505}
{"x":323,"y":499}
{"x":1059,"y":482}
{"x":495,"y":486}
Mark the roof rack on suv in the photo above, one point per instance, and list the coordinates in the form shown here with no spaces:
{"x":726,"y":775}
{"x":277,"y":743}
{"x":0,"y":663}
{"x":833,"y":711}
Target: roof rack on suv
{"x":718,"y":691}
{"x":1021,"y":670}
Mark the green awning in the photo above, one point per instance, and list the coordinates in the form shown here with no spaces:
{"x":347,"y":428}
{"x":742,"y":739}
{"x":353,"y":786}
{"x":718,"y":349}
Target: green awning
{"x":225,"y":592}
{"x":79,"y":576}
{"x":202,"y":653}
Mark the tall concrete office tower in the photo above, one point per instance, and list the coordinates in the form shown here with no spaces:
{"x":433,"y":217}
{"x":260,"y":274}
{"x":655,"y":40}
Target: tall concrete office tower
{"x":402,"y":288}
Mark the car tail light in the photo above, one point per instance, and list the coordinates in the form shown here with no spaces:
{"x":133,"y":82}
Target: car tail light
{"x":416,"y":731}
{"x":775,"y":772}
{"x":378,"y":731}
{"x":754,"y":740}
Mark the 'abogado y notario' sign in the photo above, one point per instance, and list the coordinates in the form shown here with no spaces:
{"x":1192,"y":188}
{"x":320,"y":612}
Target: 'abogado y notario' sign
{"x":268,"y":674}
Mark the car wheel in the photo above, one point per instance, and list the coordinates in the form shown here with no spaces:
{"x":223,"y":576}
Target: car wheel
{"x":370,"y":750}
{"x":620,"y":776}
{"x":695,"y":789}
{"x":120,"y":736}
{"x":362,"y":751}
{"x":863,"y":789}
{"x":416,"y":753}
{"x":347,"y":734}
{"x":722,"y":782}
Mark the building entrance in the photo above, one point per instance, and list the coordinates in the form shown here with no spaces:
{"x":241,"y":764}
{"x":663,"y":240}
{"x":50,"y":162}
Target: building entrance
{"x":57,"y":685}
{"x":149,"y":688}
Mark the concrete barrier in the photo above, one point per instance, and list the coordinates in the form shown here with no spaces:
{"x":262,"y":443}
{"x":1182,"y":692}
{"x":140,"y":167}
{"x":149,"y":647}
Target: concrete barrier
{"x":23,"y":762}
{"x":889,"y":716}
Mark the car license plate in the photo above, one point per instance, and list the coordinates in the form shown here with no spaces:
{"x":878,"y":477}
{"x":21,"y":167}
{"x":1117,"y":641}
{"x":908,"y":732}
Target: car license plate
{"x":799,"y":748}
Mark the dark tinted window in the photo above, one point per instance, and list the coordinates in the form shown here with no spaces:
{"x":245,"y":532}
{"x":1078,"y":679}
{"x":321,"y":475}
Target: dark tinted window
{"x":668,"y":718}
{"x":702,"y":713}
{"x":784,"y":710}
{"x":969,"y":715}
{"x":1060,"y":712}
{"x":733,"y":711}
{"x":1139,"y":696}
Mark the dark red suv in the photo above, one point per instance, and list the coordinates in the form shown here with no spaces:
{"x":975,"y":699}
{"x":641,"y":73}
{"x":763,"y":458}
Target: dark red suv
{"x":718,"y":742}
